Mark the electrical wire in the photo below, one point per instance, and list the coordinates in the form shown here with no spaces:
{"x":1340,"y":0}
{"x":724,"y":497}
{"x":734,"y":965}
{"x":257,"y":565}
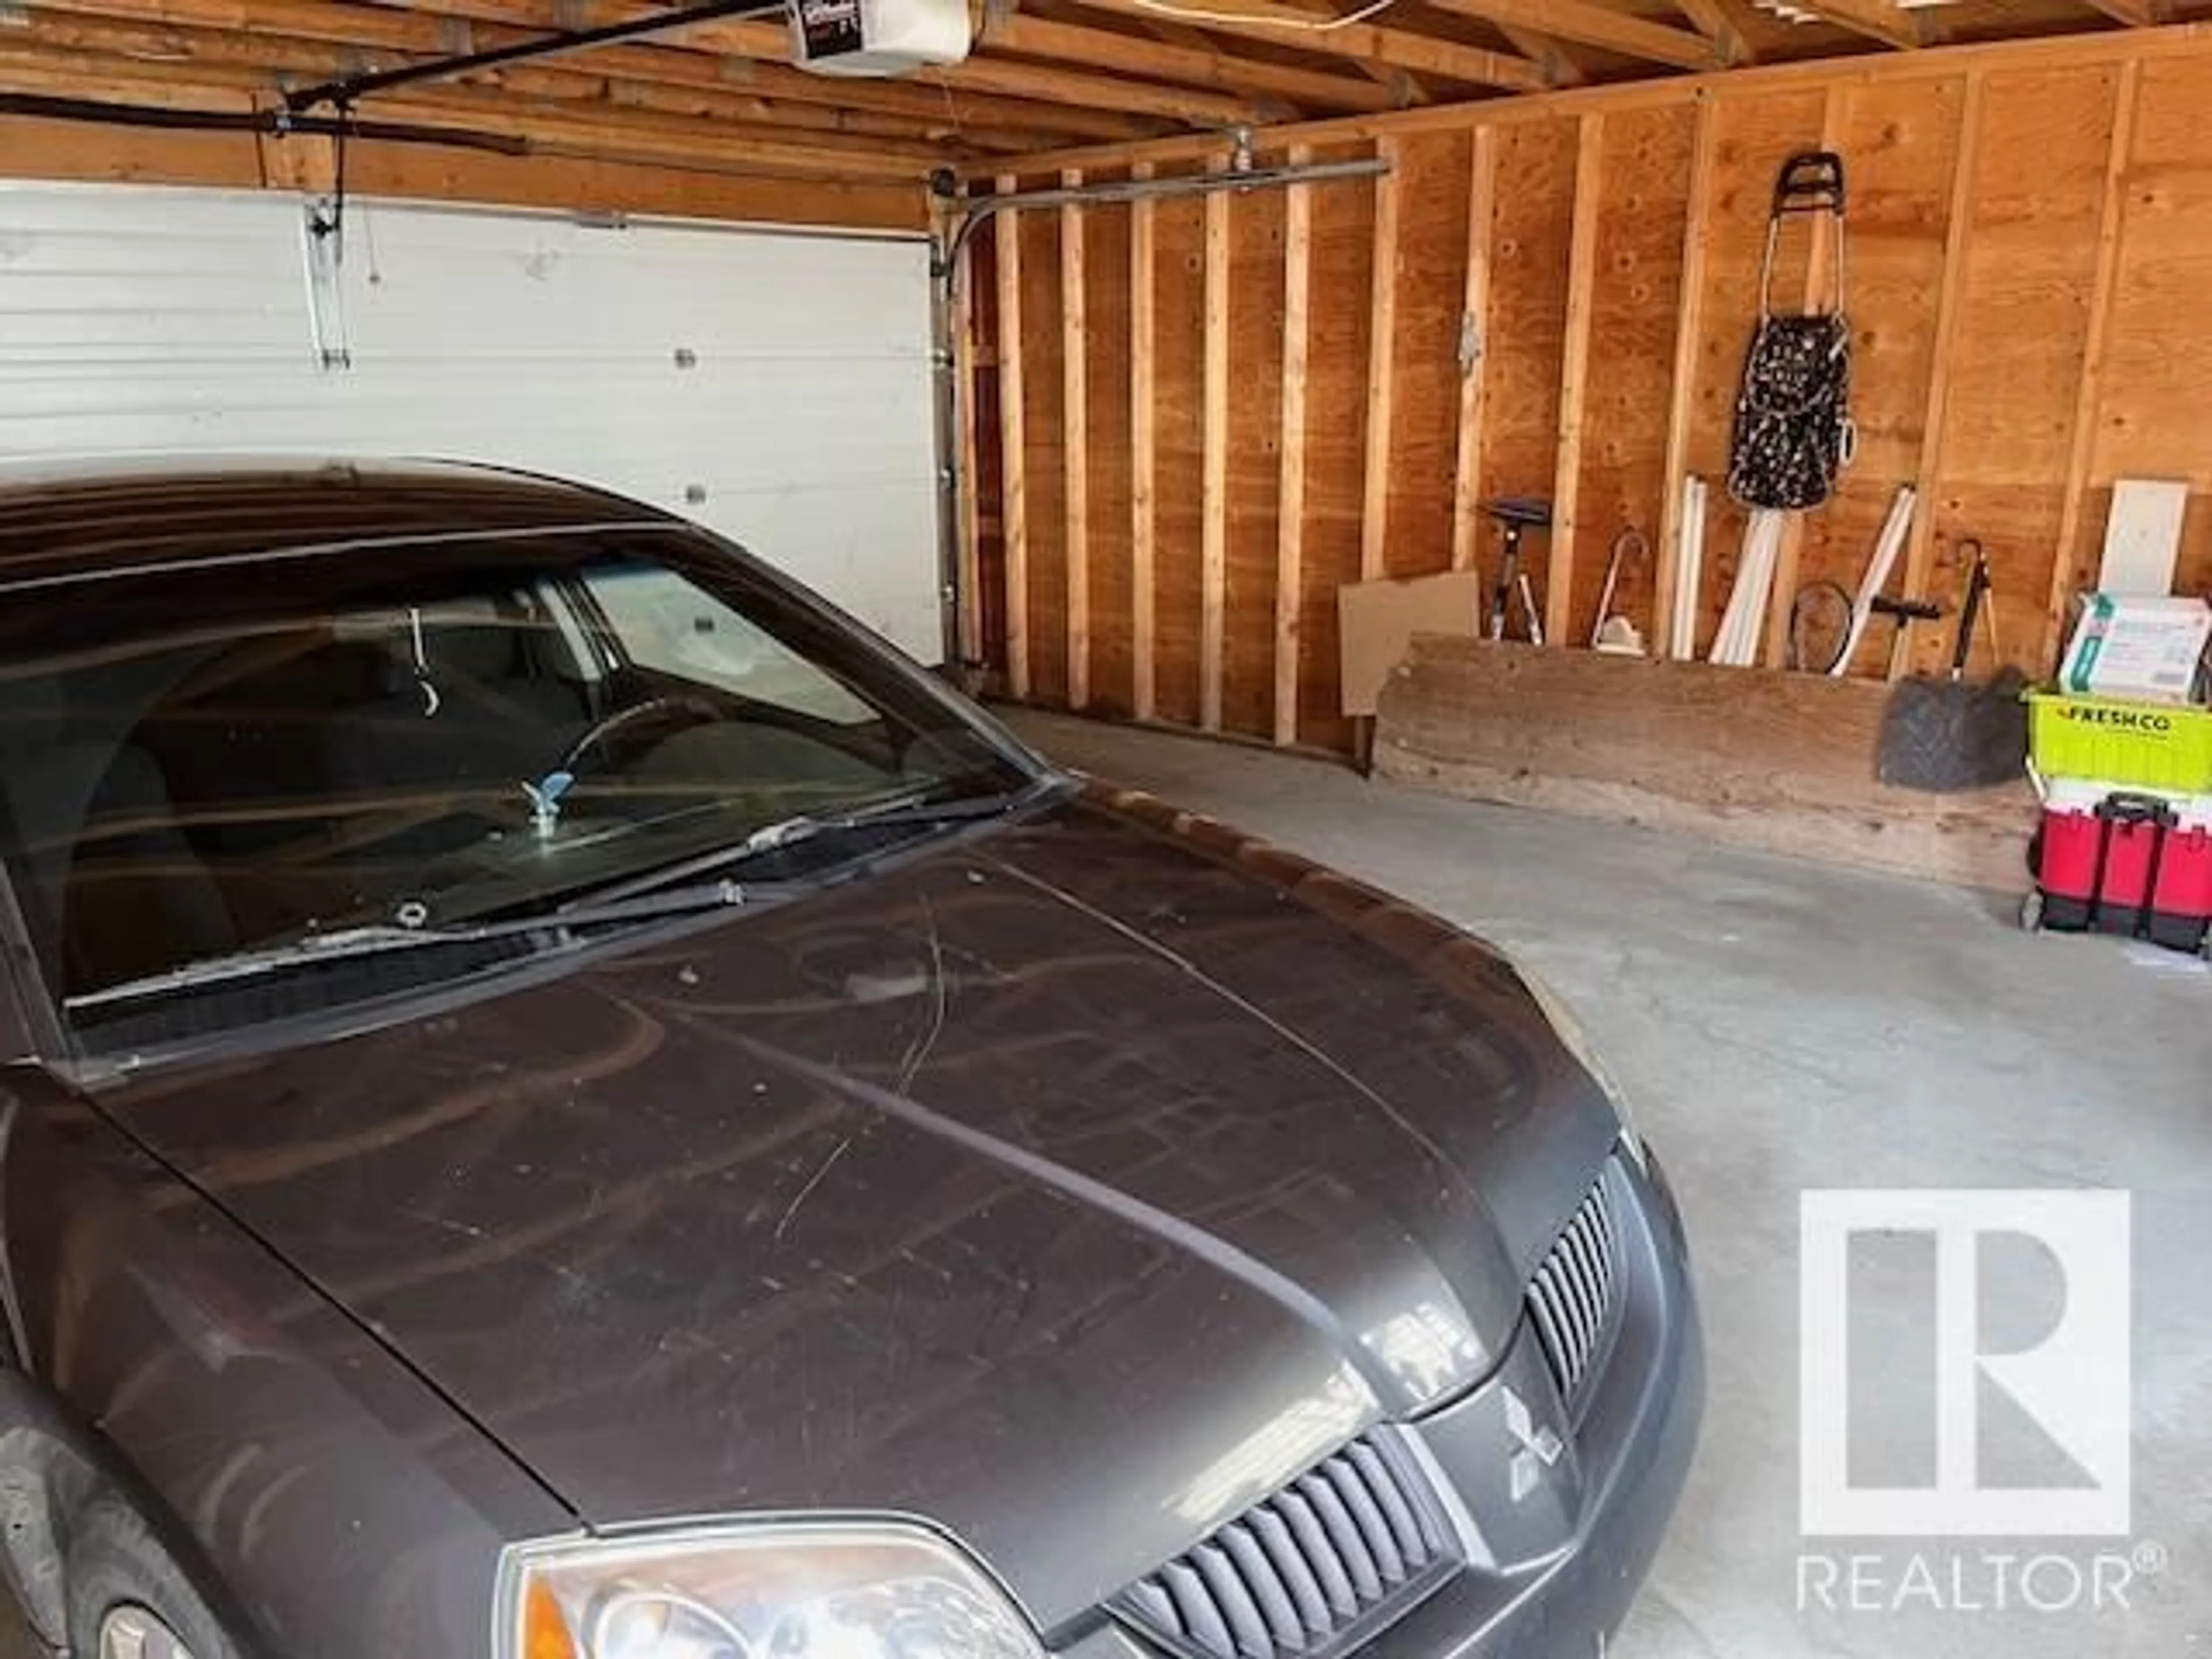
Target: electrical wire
{"x":1239,"y":20}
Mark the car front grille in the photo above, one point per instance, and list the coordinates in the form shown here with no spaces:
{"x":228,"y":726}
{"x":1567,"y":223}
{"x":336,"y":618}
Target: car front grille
{"x":1573,"y":1298}
{"x":1344,"y":1550}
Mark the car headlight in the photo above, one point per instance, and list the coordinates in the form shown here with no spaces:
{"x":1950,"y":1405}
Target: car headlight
{"x":1577,"y":1042}
{"x":815,"y":1590}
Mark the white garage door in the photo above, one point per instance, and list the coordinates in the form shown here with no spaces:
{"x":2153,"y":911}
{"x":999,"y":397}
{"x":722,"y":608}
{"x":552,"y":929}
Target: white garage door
{"x":773,"y":386}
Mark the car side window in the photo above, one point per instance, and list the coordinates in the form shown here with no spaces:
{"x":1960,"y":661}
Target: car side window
{"x":666,"y":623}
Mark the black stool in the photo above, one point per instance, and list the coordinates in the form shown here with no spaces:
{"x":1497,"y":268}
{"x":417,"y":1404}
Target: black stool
{"x":1515,"y":514}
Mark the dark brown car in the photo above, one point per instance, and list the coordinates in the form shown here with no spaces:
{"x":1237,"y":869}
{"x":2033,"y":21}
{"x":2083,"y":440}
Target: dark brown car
{"x":567,"y":1104}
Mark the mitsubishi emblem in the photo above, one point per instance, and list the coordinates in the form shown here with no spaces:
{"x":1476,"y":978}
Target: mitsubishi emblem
{"x":1537,"y":1446}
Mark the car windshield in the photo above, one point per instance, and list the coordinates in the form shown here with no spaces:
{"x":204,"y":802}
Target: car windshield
{"x":202,"y":763}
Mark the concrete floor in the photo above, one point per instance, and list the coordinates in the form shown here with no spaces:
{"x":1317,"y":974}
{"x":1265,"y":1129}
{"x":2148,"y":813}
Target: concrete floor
{"x":1783,"y":1027}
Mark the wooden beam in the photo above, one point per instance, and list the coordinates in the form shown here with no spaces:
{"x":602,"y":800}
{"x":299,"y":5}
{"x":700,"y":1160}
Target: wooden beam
{"x":968,"y":619}
{"x":549,"y":126}
{"x":1267,"y":20}
{"x":1075,"y":445}
{"x":1876,"y":20}
{"x":2135,"y":14}
{"x":1820,"y":259}
{"x":1143,"y":331}
{"x":1024,"y":36}
{"x":1473,"y":349}
{"x":1291,"y":476}
{"x":1593,"y":26}
{"x":1214,"y":538}
{"x":1724,"y":23}
{"x":2111,"y":221}
{"x":2176,"y":43}
{"x":1013,"y":490}
{"x":1036,"y":81}
{"x":435,"y":27}
{"x":275,"y":58}
{"x":1559,"y":69}
{"x":1681,"y":402}
{"x":1958,"y":238}
{"x":1574,"y":381}
{"x":1382,"y":363}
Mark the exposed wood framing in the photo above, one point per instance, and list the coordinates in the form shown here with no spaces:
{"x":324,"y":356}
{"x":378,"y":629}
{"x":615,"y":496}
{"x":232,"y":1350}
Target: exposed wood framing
{"x":1075,"y":437}
{"x":1697,"y":232}
{"x":1723,"y":22}
{"x":1264,"y":20}
{"x":1877,"y":19}
{"x":2135,"y":14}
{"x":1593,"y":26}
{"x":1144,"y":328}
{"x":1383,"y":335}
{"x":1574,"y":378}
{"x":1202,"y":66}
{"x":1291,"y":491}
{"x":1559,"y":69}
{"x":1920,"y":551}
{"x":1819,"y":265}
{"x":2111,"y":218}
{"x":1013,"y":493}
{"x":968,"y":619}
{"x":1213,"y":549}
{"x":1475,"y":313}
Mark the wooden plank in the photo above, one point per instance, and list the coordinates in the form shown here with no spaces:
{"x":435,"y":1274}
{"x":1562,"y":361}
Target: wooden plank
{"x":431,"y":29}
{"x":1559,"y":69}
{"x":2176,"y":42}
{"x":1143,"y":451}
{"x":1594,"y":25}
{"x":1382,"y":351}
{"x":1776,"y":761}
{"x":967,"y":618}
{"x":2073,"y":572}
{"x":1264,"y":20}
{"x":1251,"y":547}
{"x":2135,"y":14}
{"x":1427,"y":294}
{"x":1877,"y":19}
{"x":1013,"y":491}
{"x":1075,"y":432}
{"x":1723,"y":22}
{"x":1473,"y":376}
{"x":2016,"y":349}
{"x":1291,"y":489}
{"x":1213,"y":547}
{"x":1026,"y":36}
{"x":1634,"y":327}
{"x":1574,"y":372}
{"x":1681,"y":402}
{"x":1927,"y":651}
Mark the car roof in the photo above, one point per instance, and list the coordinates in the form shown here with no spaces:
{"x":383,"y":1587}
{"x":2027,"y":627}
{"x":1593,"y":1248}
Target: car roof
{"x":64,"y":519}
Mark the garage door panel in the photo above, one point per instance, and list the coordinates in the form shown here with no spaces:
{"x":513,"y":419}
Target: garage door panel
{"x":799,"y":422}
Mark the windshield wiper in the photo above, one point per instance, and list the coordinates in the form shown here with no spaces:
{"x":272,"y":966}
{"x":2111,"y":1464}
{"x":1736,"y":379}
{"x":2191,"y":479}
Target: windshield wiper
{"x":378,"y":938}
{"x":915,"y":809}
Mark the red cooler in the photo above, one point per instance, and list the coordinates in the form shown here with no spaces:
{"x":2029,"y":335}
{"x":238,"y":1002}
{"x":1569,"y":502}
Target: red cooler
{"x":2125,"y":861}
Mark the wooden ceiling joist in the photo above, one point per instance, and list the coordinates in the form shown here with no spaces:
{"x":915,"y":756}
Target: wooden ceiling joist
{"x":1592,"y":24}
{"x":603,"y":130}
{"x":1266,"y":20}
{"x":1022,"y":36}
{"x":425,"y":33}
{"x":280,"y":58}
{"x":1877,"y":19}
{"x":1726,"y":25}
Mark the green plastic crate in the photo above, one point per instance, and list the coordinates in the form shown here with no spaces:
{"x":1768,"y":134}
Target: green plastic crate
{"x":2111,"y":741}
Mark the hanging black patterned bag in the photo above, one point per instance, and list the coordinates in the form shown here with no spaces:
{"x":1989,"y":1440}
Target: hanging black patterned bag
{"x":1793,"y":419}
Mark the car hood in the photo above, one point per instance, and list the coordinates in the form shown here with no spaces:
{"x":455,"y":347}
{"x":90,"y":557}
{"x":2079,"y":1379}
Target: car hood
{"x":1073,"y":1185}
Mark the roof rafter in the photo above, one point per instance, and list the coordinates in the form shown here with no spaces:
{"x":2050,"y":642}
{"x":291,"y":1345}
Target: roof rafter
{"x":1266,"y":20}
{"x":1594,"y":25}
{"x":1025,"y":36}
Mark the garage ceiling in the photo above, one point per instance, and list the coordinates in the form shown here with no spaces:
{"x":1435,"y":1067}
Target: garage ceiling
{"x":1044,"y":73}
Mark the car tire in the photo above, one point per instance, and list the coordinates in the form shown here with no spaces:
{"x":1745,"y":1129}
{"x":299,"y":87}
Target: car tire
{"x":127,"y":1597}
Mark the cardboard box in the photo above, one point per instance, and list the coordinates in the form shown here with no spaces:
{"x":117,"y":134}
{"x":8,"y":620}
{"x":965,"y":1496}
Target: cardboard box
{"x":1376,"y":621}
{"x":2144,"y":649}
